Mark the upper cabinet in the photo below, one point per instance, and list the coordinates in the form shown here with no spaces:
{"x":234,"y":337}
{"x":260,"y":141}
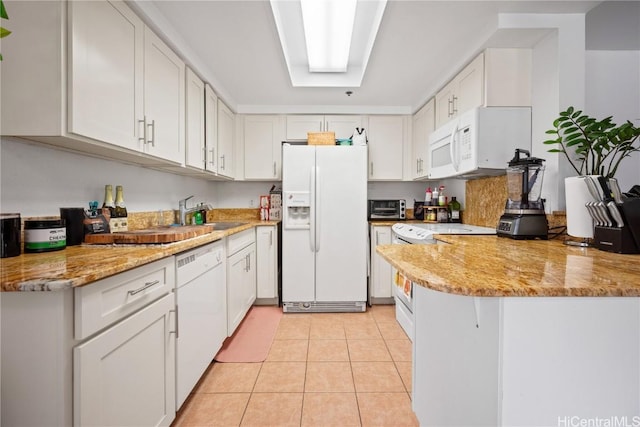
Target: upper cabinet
{"x":226,"y":126}
{"x":164,"y":77}
{"x":342,"y":125}
{"x":423,"y":123}
{"x":386,"y":136}
{"x":497,"y":77}
{"x":263,"y":136}
{"x":116,"y":90}
{"x":211,"y":129}
{"x":195,"y":121}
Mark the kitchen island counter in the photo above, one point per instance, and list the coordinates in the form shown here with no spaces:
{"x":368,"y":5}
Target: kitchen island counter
{"x":525,"y":333}
{"x":495,"y":266}
{"x":83,"y":264}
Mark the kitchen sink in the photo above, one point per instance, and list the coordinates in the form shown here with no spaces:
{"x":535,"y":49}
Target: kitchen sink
{"x":222,"y":225}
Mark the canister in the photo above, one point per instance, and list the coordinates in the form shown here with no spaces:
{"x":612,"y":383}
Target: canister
{"x":44,"y":235}
{"x":10,"y":234}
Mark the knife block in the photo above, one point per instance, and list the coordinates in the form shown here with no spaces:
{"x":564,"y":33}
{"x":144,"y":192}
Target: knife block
{"x":615,"y":239}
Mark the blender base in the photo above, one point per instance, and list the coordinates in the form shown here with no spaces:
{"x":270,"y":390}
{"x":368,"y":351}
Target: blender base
{"x":523,"y":226}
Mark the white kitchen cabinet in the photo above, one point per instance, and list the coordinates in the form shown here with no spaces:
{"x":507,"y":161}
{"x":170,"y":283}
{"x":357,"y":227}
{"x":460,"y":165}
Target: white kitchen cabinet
{"x":386,"y":136}
{"x":116,"y":86}
{"x":195,"y":155}
{"x":263,"y":136}
{"x":422,"y":126}
{"x":497,"y":77}
{"x":241,"y":277}
{"x":267,"y":262}
{"x":225,"y":136}
{"x":381,"y":280}
{"x":164,"y":106}
{"x":126,"y":374}
{"x":114,"y":90}
{"x":342,"y":125}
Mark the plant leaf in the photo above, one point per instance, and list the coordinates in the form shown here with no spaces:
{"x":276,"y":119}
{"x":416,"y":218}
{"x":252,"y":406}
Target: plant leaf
{"x":555,"y":150}
{"x":552,"y":132}
{"x":552,"y":141}
{"x":3,"y":11}
{"x":576,"y":114}
{"x":4,"y":32}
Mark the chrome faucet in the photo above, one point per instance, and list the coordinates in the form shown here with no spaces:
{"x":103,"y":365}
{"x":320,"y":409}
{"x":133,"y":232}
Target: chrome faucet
{"x":182,"y":206}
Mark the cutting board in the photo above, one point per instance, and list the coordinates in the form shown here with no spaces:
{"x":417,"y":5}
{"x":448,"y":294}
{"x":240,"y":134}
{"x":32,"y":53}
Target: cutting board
{"x":150,"y":235}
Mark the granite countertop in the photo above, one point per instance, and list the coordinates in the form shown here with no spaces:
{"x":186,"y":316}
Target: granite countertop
{"x":493,"y":266}
{"x":83,"y":264}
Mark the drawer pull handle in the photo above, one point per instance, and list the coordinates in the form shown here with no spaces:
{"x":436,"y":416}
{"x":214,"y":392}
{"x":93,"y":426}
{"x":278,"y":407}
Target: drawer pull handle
{"x":145,"y":286}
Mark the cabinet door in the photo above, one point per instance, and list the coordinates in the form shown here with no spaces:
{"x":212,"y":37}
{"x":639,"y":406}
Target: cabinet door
{"x":195,"y":121}
{"x":445,"y":104}
{"x":386,"y":143}
{"x":266,"y":262}
{"x":298,"y":126}
{"x":226,"y":123}
{"x":423,"y":125}
{"x":381,"y":276}
{"x":211,"y":129}
{"x":470,"y":86}
{"x":105,"y":72}
{"x":236,"y":273}
{"x":262,"y":147}
{"x":164,"y":76}
{"x":126,"y":375}
{"x":343,"y":126}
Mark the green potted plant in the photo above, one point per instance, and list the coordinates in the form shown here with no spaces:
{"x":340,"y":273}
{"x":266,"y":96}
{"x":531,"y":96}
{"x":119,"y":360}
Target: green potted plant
{"x":592,"y":147}
{"x":599,"y":145}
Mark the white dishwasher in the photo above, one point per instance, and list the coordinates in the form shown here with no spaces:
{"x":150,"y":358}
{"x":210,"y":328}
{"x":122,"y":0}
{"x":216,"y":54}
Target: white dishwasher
{"x":201,"y":299}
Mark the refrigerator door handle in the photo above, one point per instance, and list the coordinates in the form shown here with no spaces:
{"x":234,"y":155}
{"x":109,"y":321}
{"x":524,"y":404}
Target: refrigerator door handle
{"x":312,"y":208}
{"x":318,"y":199}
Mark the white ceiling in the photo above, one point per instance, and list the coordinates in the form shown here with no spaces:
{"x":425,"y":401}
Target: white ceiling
{"x":234,"y":45}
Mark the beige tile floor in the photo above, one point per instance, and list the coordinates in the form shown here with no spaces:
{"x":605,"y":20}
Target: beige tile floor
{"x":323,"y":369}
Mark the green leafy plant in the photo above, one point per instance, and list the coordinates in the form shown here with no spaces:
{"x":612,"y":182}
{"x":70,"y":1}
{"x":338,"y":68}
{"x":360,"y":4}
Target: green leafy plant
{"x":599,"y":145}
{"x":3,"y":31}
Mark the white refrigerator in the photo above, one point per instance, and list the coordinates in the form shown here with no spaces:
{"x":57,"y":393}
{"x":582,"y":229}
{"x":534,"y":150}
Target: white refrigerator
{"x":324,"y":233}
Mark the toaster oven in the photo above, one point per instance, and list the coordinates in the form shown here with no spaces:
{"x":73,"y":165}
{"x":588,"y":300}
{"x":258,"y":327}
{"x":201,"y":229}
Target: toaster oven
{"x":387,"y":209}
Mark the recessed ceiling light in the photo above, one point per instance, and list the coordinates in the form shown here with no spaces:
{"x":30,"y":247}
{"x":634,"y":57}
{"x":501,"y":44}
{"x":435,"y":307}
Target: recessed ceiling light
{"x":304,"y":72}
{"x":328,"y":25}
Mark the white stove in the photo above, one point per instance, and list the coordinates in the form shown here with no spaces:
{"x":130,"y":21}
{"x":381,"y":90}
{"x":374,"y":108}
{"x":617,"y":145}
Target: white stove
{"x":421,"y":234}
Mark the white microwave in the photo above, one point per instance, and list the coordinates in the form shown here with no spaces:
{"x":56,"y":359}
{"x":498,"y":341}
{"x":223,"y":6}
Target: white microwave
{"x":479,"y":142}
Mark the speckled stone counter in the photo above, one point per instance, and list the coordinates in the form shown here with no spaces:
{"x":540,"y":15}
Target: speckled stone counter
{"x":494,"y":266}
{"x":84,"y":264}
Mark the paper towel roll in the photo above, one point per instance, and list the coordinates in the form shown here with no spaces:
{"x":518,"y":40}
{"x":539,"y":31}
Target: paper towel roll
{"x":579,"y":222}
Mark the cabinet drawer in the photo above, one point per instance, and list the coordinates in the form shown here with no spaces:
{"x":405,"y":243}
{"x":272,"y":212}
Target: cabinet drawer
{"x":237,"y":241}
{"x":109,"y":300}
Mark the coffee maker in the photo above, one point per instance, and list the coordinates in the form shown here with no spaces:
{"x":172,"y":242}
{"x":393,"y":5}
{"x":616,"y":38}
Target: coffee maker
{"x":524,"y":216}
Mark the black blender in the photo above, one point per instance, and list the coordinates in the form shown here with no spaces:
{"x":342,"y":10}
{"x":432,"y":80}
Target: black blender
{"x":524,"y":216}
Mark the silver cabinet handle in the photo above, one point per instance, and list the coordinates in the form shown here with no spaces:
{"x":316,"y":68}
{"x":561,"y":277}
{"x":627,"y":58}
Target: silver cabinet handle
{"x":204,"y":157}
{"x":176,"y":323}
{"x":223,"y":163}
{"x":454,"y":110}
{"x":270,"y":237}
{"x":213,"y":157}
{"x":371,"y":170}
{"x":274,"y":169}
{"x":142,"y":137}
{"x":450,"y":107}
{"x":152,"y":140}
{"x":143,"y":287}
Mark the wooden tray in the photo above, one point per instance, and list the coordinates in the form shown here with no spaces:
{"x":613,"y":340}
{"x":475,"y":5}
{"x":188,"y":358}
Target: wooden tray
{"x":150,"y":235}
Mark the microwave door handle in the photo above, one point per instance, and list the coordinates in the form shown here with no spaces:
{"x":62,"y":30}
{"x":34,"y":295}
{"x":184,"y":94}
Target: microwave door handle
{"x":452,"y":148}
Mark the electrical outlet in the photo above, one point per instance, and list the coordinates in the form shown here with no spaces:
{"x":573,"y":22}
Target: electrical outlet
{"x":252,"y":202}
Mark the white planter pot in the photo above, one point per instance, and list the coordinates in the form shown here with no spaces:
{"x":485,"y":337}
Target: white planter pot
{"x":579,"y":222}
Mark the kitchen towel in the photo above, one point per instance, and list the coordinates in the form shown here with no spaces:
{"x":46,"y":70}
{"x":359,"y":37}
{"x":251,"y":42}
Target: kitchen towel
{"x":252,"y":340}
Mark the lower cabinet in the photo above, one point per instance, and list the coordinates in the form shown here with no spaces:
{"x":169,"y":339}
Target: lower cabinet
{"x":126,"y":375}
{"x":241,"y":277}
{"x":267,"y":262}
{"x":381,"y":279}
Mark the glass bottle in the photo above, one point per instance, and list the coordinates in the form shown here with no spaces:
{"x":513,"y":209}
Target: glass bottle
{"x":121,"y":209}
{"x":108,"y":200}
{"x":454,"y":210}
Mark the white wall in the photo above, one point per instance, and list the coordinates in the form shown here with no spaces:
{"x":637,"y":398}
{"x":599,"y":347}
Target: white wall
{"x":613,"y":89}
{"x":36,"y":180}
